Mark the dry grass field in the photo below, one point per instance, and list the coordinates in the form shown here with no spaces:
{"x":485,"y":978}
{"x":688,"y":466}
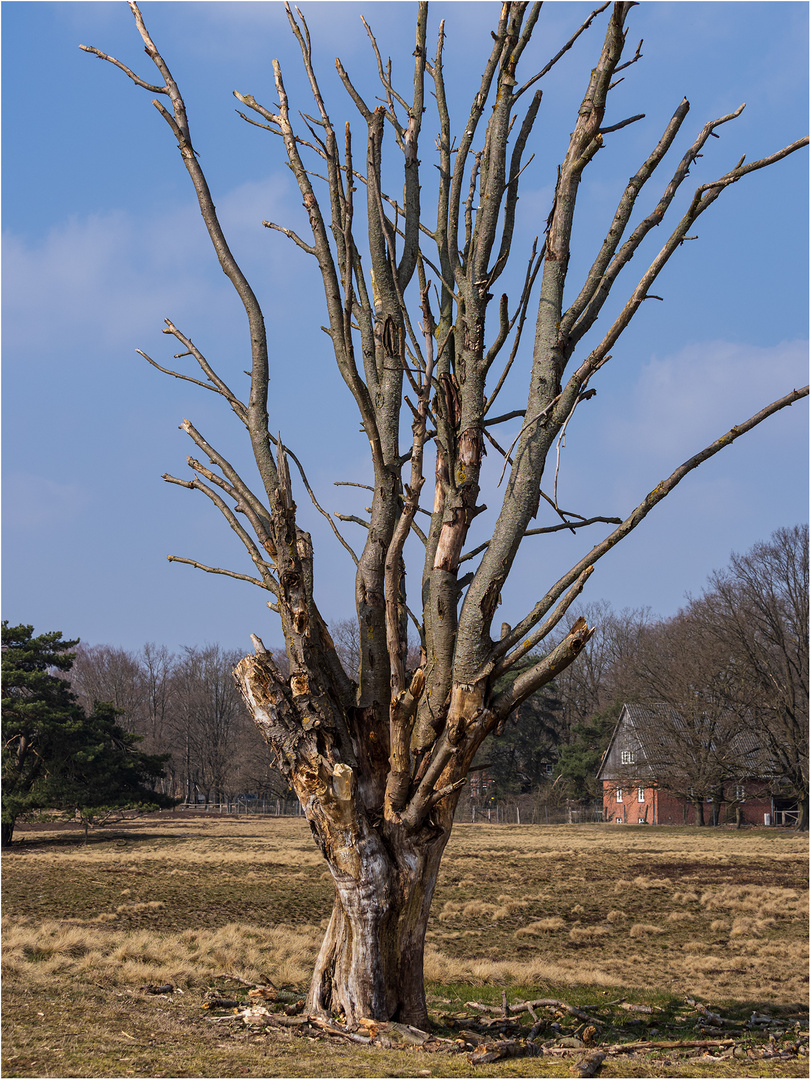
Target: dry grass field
{"x":585,"y":913}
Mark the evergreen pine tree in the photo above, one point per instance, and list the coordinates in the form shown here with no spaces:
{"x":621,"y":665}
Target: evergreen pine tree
{"x":56,"y":756}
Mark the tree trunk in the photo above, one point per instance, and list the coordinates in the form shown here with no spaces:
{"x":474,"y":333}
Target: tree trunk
{"x":371,"y":959}
{"x":6,"y":831}
{"x":802,"y":813}
{"x":384,"y":870}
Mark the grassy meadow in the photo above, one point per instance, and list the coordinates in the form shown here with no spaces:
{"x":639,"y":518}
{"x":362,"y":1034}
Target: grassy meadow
{"x":584,"y":913}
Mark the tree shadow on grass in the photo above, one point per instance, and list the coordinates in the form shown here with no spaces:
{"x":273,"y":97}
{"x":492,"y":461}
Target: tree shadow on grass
{"x":72,"y":836}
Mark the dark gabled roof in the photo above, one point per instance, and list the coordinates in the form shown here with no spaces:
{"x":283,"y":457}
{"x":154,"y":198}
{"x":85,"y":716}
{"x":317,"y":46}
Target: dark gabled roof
{"x":658,"y":733}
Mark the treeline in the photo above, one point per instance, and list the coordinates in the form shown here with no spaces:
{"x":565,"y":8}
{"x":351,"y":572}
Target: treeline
{"x":738,"y":654}
{"x":185,"y":705}
{"x":733,"y":662}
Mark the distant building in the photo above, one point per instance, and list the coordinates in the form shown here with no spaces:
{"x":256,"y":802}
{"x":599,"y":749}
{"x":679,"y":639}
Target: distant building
{"x":662,"y":767}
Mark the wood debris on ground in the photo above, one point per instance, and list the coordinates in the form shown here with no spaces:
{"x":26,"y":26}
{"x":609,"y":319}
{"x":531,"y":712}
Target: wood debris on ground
{"x":492,"y":1032}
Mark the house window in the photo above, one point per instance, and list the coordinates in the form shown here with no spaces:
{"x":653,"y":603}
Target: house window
{"x":619,"y":794}
{"x":640,"y":794}
{"x":627,"y":757}
{"x":740,"y":793}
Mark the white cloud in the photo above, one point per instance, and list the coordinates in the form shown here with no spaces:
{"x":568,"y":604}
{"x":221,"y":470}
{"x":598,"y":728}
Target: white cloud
{"x":683,"y":401}
{"x":101,"y":282}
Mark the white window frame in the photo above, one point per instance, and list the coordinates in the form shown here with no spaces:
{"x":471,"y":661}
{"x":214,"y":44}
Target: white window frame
{"x":740,"y":792}
{"x":619,"y":795}
{"x":640,"y":794}
{"x":627,"y":757}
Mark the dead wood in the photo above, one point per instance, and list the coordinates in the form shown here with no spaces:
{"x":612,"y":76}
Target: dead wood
{"x":510,"y":1048}
{"x":715,"y":1020}
{"x":674,"y":1044}
{"x":589,"y":1065}
{"x":270,"y":993}
{"x":552,"y":1003}
{"x":331,"y":1029}
{"x":152,"y":988}
{"x":239,"y":979}
{"x":343,"y":743}
{"x":472,"y":1037}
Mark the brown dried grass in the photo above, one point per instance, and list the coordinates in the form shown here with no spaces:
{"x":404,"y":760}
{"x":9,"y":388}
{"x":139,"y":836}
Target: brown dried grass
{"x":202,"y":897}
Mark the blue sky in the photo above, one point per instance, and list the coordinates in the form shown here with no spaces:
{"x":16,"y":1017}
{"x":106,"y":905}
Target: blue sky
{"x":103,"y":240}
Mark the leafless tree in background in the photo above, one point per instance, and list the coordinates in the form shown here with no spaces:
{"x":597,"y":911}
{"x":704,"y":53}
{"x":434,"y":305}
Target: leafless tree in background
{"x":187,"y":706}
{"x":378,"y":758}
{"x":209,"y":717}
{"x":602,"y":676}
{"x":702,"y":748}
{"x":757,"y":612}
{"x":106,"y":673}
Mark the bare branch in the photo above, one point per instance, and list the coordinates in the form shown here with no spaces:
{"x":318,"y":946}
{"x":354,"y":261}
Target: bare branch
{"x":268,"y":581}
{"x":227,"y":469}
{"x":292,"y":236}
{"x":239,"y":408}
{"x":318,"y":506}
{"x":528,"y":644}
{"x":572,"y":525}
{"x":641,"y":511}
{"x":564,"y":50}
{"x":544,"y":672}
{"x":622,"y":124}
{"x":123,"y":67}
{"x":217,"y":570}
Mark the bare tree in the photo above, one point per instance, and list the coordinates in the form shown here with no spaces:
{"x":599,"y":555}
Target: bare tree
{"x":209,"y":718}
{"x":104,"y":673}
{"x":757,"y":612}
{"x":378,"y":760}
{"x":157,"y":665}
{"x":700,"y":745}
{"x":600,"y":678}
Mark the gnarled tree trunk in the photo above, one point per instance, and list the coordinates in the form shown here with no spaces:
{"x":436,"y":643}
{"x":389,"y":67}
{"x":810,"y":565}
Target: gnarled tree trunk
{"x":371,"y":959}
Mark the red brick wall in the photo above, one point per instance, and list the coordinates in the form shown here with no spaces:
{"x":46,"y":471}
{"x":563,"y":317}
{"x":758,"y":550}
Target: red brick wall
{"x":631,"y":810}
{"x":661,"y":808}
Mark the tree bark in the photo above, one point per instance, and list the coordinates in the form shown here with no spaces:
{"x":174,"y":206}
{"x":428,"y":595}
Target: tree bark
{"x":371,"y":960}
{"x":802,"y":814}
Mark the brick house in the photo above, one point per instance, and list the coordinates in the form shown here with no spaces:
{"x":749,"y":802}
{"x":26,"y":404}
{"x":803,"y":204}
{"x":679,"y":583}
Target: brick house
{"x":660,"y":769}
